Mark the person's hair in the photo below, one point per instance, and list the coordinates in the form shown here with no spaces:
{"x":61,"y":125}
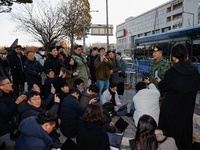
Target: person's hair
{"x":30,"y":87}
{"x":58,"y":47}
{"x":93,"y":113}
{"x":109,"y":51}
{"x":119,"y":53}
{"x":18,"y":46}
{"x":1,"y":79}
{"x":63,"y":84}
{"x":108,"y":106}
{"x":29,"y":52}
{"x":30,"y":94}
{"x":78,"y":81}
{"x":140,"y":85}
{"x":95,"y":48}
{"x":179,"y":51}
{"x":112,"y":85}
{"x":66,"y":62}
{"x":91,"y":51}
{"x":47,"y":116}
{"x":113,"y":52}
{"x":145,"y":135}
{"x":101,"y":48}
{"x":51,"y":48}
{"x":94,"y":88}
{"x":74,"y":90}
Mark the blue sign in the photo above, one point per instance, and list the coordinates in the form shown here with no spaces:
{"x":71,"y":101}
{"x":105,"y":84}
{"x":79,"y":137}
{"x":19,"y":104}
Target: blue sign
{"x":130,"y":71}
{"x":144,"y":68}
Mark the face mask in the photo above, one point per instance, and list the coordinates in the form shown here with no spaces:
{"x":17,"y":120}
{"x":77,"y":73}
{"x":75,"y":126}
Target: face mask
{"x":81,"y":89}
{"x":42,"y":53}
{"x":62,"y":53}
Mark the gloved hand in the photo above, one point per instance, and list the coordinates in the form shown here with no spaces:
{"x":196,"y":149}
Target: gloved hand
{"x":75,"y":73}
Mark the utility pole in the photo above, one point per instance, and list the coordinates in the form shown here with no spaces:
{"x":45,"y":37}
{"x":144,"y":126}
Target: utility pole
{"x":107,"y":24}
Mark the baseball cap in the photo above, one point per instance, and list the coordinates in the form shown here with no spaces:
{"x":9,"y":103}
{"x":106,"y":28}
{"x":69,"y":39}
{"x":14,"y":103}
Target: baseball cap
{"x":48,"y":70}
{"x":41,"y":49}
{"x":157,"y":48}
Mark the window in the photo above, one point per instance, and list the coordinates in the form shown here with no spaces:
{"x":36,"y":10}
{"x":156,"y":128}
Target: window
{"x":166,"y":29}
{"x":148,"y":33}
{"x":199,"y":13}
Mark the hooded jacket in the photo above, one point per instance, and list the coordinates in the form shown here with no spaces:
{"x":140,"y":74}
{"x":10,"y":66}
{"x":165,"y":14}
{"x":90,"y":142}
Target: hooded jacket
{"x":181,"y":84}
{"x":33,"y":136}
{"x":40,"y":58}
{"x":54,"y":63}
{"x":86,"y":97}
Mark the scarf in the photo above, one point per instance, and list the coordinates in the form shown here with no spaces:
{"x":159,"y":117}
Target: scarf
{"x":113,"y":97}
{"x":79,"y":55}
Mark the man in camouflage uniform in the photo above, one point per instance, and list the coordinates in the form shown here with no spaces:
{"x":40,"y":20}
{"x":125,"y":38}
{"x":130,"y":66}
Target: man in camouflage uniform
{"x":159,"y":64}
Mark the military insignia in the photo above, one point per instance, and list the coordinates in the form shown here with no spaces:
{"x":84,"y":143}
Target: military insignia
{"x":155,"y":49}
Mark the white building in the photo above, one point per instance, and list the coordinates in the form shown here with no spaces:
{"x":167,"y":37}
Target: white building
{"x":168,"y":16}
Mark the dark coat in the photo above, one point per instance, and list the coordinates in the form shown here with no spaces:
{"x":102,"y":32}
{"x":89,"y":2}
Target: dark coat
{"x":70,"y":113}
{"x":62,"y":96}
{"x":54,"y":63}
{"x":176,"y":113}
{"x":27,"y":110}
{"x":86,"y":97}
{"x":16,"y":67}
{"x":56,"y":81}
{"x":107,"y":119}
{"x":91,"y":65}
{"x":32,"y":68}
{"x":7,"y":108}
{"x":91,"y":136}
{"x":33,"y":136}
{"x":3,"y":72}
{"x":116,"y":67}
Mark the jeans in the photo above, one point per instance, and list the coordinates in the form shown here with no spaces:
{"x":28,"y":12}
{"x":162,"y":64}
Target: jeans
{"x":103,"y":85}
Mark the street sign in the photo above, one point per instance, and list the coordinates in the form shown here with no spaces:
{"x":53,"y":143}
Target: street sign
{"x":101,"y":29}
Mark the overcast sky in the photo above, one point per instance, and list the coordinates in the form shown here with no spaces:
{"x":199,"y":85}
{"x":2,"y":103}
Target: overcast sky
{"x":118,"y":11}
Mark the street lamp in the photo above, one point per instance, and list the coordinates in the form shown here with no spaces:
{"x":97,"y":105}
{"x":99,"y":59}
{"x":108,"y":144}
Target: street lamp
{"x":84,"y":27}
{"x":107,"y":24}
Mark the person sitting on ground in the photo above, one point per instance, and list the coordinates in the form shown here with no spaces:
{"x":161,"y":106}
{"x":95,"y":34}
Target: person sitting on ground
{"x":70,"y":113}
{"x":34,"y":105}
{"x":64,"y":91}
{"x":110,"y":95}
{"x":8,"y":106}
{"x":53,"y":81}
{"x":90,"y":135}
{"x":89,"y":93}
{"x":108,"y":125}
{"x":70,"y":68}
{"x":34,"y":132}
{"x":149,"y":137}
{"x":35,"y":87}
{"x":79,"y":84}
{"x":146,"y":101}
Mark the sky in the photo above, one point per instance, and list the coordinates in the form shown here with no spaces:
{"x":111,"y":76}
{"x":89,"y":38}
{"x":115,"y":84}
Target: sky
{"x":118,"y":11}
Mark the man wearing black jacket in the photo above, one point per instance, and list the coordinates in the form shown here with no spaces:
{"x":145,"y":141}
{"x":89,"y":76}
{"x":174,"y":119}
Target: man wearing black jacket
{"x":53,"y":61}
{"x":34,"y":105}
{"x":16,"y":60}
{"x":8,"y":106}
{"x":70,"y":113}
{"x":33,"y":69}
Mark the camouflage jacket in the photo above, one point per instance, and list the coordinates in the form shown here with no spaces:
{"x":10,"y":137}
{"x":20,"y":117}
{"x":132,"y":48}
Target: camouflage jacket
{"x":161,"y":66}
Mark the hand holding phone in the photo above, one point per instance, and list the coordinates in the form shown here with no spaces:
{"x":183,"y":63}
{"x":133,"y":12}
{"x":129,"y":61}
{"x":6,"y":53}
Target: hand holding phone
{"x":156,"y":74}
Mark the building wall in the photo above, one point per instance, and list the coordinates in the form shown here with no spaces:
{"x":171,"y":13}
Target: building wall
{"x":168,"y":16}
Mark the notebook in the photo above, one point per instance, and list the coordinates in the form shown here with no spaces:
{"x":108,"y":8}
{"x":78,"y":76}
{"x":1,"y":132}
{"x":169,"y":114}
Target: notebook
{"x":121,"y":125}
{"x":115,"y":140}
{"x":69,"y":145}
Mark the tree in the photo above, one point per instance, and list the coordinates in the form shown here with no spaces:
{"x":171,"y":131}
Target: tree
{"x":74,"y":13}
{"x":6,"y":5}
{"x":42,"y":21}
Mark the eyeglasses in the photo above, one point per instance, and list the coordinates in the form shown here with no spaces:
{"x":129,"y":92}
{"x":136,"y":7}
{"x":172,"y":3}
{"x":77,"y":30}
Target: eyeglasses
{"x":7,"y":83}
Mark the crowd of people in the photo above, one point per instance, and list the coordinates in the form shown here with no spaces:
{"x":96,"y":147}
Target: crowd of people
{"x":60,"y":101}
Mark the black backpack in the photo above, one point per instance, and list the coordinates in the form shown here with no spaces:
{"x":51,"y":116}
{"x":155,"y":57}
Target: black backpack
{"x":14,"y":132}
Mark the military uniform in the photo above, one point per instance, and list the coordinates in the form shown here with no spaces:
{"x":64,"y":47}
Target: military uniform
{"x":161,"y":66}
